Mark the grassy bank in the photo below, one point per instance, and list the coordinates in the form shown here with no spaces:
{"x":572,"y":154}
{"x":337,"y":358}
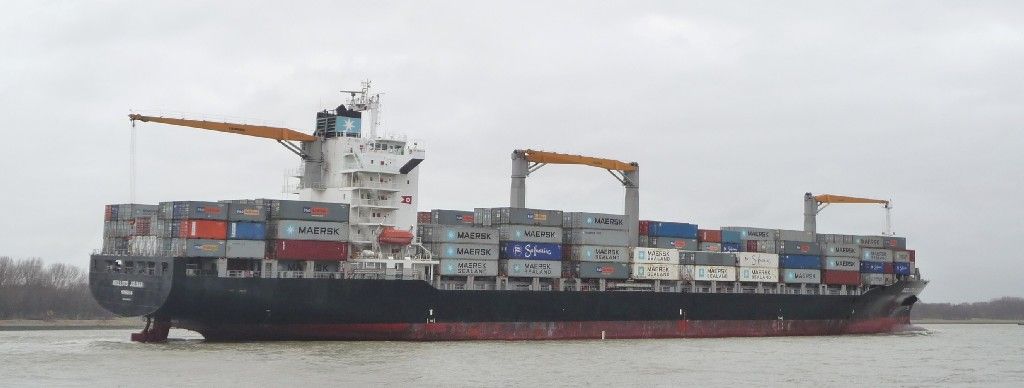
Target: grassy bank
{"x":966,"y":321}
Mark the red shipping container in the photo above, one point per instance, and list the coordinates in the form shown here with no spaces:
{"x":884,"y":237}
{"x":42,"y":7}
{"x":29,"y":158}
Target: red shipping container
{"x":912,"y":255}
{"x":208,"y":229}
{"x":851,"y":278}
{"x":751,"y":246}
{"x":709,"y":235}
{"x":308,"y":250}
{"x":645,"y":226}
{"x":889,"y":268}
{"x":108,"y":213}
{"x":423,"y":217}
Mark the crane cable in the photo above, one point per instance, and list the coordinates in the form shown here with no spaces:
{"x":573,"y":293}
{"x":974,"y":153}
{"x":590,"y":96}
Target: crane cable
{"x":131,"y":166}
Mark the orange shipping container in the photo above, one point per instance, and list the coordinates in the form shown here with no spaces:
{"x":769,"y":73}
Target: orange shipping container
{"x":208,"y":229}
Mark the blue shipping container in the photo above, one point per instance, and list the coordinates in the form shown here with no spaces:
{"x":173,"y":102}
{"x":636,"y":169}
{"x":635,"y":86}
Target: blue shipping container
{"x":531,"y":251}
{"x":731,"y":236}
{"x":901,"y":268}
{"x":872,"y":267}
{"x":730,"y":247}
{"x":247,"y":231}
{"x":672,"y":229}
{"x":800,"y":262}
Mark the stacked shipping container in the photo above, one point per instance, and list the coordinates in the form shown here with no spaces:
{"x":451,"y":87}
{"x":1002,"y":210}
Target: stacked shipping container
{"x":596,"y":245}
{"x":530,"y":240}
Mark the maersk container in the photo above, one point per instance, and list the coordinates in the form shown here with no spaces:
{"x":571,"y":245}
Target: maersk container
{"x":247,"y":231}
{"x":840,"y":263}
{"x":796,"y":235}
{"x":655,"y":255}
{"x":654,"y":271}
{"x":238,"y":211}
{"x":596,"y":270}
{"x":834,"y":238}
{"x":707,"y":258}
{"x":596,"y":237}
{"x":876,"y":279}
{"x":468,"y":268}
{"x":245,"y":249}
{"x":193,"y":210}
{"x":598,"y":253}
{"x":523,"y":216}
{"x":307,"y":250}
{"x":756,"y":259}
{"x":748,"y":233}
{"x":730,"y":247}
{"x":709,"y":235}
{"x":901,"y":256}
{"x":203,"y":229}
{"x":872,"y":266}
{"x":731,"y":237}
{"x":801,"y":276}
{"x":451,"y":217}
{"x":714,"y":273}
{"x":710,"y":247}
{"x":673,"y":243}
{"x":530,"y":233}
{"x":594,"y":221}
{"x":850,"y":278}
{"x":840,"y":249}
{"x":875,"y":254}
{"x":308,"y":230}
{"x":530,"y":250}
{"x":800,"y":262}
{"x":787,"y":247}
{"x":902,"y":268}
{"x":758,"y":274}
{"x":464,"y":251}
{"x":672,"y":229}
{"x":870,"y":241}
{"x":532,"y":268}
{"x":434,"y":233}
{"x":895,"y":243}
{"x":280,"y":209}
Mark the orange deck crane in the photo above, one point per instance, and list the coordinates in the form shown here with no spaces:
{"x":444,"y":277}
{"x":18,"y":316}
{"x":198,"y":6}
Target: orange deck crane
{"x":284,"y":136}
{"x":814,"y":204}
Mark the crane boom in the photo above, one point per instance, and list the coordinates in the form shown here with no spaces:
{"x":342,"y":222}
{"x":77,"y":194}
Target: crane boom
{"x":831,"y":198}
{"x":279,"y":134}
{"x":557,"y":158}
{"x":814,"y":204}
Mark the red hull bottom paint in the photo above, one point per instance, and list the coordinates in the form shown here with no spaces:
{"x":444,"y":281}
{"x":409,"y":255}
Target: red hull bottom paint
{"x":547,"y":330}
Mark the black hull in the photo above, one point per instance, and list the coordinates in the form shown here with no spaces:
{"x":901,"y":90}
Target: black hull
{"x":353,"y":309}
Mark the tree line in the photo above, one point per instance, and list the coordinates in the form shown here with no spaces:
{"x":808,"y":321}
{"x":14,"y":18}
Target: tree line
{"x":31,"y":290}
{"x":1011,"y":308}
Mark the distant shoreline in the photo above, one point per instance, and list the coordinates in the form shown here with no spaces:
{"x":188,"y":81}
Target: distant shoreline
{"x":71,"y":324}
{"x":966,"y":321}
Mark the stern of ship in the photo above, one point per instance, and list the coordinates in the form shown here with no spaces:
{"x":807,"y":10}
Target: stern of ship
{"x":134,"y":286}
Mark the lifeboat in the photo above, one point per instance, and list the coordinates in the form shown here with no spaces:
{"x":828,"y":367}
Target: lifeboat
{"x":395,"y":237}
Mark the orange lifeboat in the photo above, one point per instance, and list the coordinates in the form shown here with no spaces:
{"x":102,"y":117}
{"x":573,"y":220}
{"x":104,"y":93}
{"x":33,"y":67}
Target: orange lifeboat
{"x":395,"y":237}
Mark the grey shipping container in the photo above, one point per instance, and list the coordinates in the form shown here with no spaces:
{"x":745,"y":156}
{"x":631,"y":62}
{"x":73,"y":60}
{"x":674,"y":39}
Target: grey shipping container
{"x":523,"y":216}
{"x":840,"y":249}
{"x":128,"y":211}
{"x":840,"y":263}
{"x":193,"y":210}
{"x":673,"y":242}
{"x":598,"y":253}
{"x":307,"y":230}
{"x":757,"y":234}
{"x":280,"y":209}
{"x":194,"y":247}
{"x":594,"y":221}
{"x":433,"y":233}
{"x":596,"y":237}
{"x":901,"y":256}
{"x":643,"y":241}
{"x":876,"y":279}
{"x":464,"y":251}
{"x":798,"y":248}
{"x":875,"y":254}
{"x":530,"y":233}
{"x":870,"y":241}
{"x":707,"y":258}
{"x":482,"y":216}
{"x":242,"y":249}
{"x":895,"y":243}
{"x":532,"y":268}
{"x":806,"y":276}
{"x":796,"y":235}
{"x":246,"y":212}
{"x":452,"y":217}
{"x":468,"y":267}
{"x":596,"y":270}
{"x":710,"y":247}
{"x":834,"y":238}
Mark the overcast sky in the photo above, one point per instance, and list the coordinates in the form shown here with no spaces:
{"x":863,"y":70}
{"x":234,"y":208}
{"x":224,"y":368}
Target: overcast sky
{"x":733,"y":111}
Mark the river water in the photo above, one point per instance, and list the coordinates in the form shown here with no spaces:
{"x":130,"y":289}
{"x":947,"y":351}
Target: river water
{"x":979,"y":355}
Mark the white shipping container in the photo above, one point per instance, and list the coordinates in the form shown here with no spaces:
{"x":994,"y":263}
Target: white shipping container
{"x":874,"y":254}
{"x":807,"y":276}
{"x":714,"y":273}
{"x":468,"y":268}
{"x":876,"y":279}
{"x":870,"y":241}
{"x":756,"y":259}
{"x":598,"y":253}
{"x":533,"y":268}
{"x":840,"y":249}
{"x":901,"y":256}
{"x":530,"y":233}
{"x":240,"y":249}
{"x":759,"y":274}
{"x":796,"y":235}
{"x":655,"y":255}
{"x":655,"y":271}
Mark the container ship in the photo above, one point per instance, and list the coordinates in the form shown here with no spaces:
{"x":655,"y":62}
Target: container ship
{"x":351,"y":257}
